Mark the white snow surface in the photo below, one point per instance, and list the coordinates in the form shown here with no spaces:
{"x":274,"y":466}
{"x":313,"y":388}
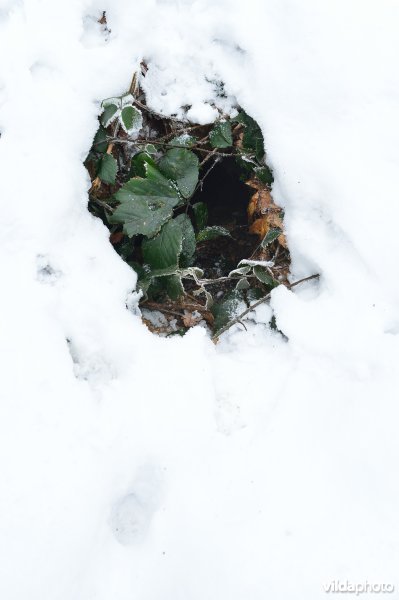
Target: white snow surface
{"x":170,"y":469}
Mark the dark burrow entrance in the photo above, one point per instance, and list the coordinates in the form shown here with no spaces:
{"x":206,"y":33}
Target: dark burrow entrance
{"x":227,"y":197}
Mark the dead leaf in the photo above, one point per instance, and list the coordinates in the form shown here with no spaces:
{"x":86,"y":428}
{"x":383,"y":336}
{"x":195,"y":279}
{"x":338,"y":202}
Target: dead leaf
{"x":116,"y":237}
{"x":263,"y":213}
{"x":191,"y":318}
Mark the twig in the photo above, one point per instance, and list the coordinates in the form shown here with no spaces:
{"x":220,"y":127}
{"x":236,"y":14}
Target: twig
{"x":144,"y":142}
{"x":201,"y":181}
{"x":133,"y":89}
{"x":202,"y":282}
{"x":165,"y":310}
{"x":239,"y":318}
{"x":315,"y":276}
{"x":210,"y":154}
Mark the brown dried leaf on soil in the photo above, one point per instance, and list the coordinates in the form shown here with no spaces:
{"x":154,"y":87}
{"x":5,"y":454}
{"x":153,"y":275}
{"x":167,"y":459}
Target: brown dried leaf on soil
{"x":263,"y":213}
{"x":190,"y":318}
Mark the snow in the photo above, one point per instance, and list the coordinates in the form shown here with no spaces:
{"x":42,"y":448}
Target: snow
{"x":135,"y":466}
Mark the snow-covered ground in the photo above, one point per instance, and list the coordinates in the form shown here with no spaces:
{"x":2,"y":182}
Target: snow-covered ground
{"x":139,"y":467}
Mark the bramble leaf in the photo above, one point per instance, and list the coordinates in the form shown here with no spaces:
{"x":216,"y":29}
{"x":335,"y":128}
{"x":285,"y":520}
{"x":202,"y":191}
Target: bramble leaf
{"x":108,"y":168}
{"x":100,"y":143}
{"x":229,"y":308}
{"x":138,"y":166}
{"x":211,"y":233}
{"x":253,"y":137}
{"x":200,"y":211}
{"x":264,"y":174}
{"x":109,"y":115}
{"x":146,"y":204}
{"x":163,"y":251}
{"x":264,"y":276}
{"x":188,"y":241}
{"x":185,"y":139}
{"x":240,"y":271}
{"x":131,"y":119}
{"x":182,"y":166}
{"x":174,"y":287}
{"x":271,"y":235}
{"x":221,"y":136}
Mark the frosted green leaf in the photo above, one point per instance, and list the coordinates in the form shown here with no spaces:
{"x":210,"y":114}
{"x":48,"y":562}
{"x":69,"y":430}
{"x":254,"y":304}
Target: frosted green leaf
{"x":108,"y":168}
{"x":131,"y":119}
{"x":189,"y":244}
{"x":182,"y":166}
{"x":211,"y":233}
{"x":100,"y":143}
{"x":146,"y":204}
{"x":200,"y":211}
{"x":174,"y":287}
{"x":163,"y":251}
{"x":264,"y":276}
{"x":109,"y":115}
{"x":271,"y":235}
{"x":229,"y":308}
{"x":221,"y":136}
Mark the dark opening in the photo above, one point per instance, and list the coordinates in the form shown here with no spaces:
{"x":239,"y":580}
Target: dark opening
{"x":227,"y":197}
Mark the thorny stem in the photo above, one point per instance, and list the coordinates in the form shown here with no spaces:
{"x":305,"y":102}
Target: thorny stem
{"x":257,"y":303}
{"x":210,"y":153}
{"x":201,"y":181}
{"x":202,"y":282}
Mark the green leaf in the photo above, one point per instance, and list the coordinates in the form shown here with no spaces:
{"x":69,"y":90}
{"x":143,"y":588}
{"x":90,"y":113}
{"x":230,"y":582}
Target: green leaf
{"x":211,"y":233}
{"x":271,"y":235}
{"x":146,"y":204}
{"x":143,"y":277}
{"x":242,"y":284}
{"x":126,"y":99}
{"x":221,"y":136}
{"x":188,"y":241}
{"x":229,"y":308}
{"x":100,"y":143}
{"x":131,"y":119}
{"x":240,"y":271}
{"x":164,"y":272}
{"x":264,"y":174}
{"x":163,"y":251}
{"x":108,"y":168}
{"x":200,"y":210}
{"x":253,"y":137}
{"x":194,"y":272}
{"x":182,"y":166}
{"x":174,"y":287}
{"x":109,"y":114}
{"x":246,"y":166}
{"x":150,"y":149}
{"x":156,"y":288}
{"x":264,"y":276}
{"x":185,"y":139}
{"x":139,"y":218}
{"x":138,"y":166}
{"x":254,"y":294}
{"x":111,"y":101}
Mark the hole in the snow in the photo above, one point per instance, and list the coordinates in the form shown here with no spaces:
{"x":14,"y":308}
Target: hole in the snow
{"x":190,"y":208}
{"x":227,"y":197}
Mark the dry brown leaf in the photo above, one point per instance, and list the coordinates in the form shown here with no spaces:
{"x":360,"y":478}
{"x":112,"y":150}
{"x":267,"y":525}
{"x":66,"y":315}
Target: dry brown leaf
{"x":190,"y":318}
{"x":116,"y":237}
{"x":263,"y":213}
